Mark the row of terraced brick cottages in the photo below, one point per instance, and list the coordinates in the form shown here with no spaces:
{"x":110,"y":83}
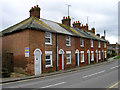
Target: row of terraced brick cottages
{"x":40,"y":46}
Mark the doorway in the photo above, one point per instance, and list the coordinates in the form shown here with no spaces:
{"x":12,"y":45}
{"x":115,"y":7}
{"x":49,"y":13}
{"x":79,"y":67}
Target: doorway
{"x":88,"y":57}
{"x":37,"y":61}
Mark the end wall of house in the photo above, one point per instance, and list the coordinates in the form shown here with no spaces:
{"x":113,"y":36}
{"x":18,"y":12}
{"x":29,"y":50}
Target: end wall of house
{"x":16,"y":43}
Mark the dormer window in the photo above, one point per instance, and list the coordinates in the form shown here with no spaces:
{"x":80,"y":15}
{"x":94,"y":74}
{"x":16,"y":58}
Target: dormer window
{"x":48,"y":38}
{"x":81,"y":42}
{"x":68,"y":42}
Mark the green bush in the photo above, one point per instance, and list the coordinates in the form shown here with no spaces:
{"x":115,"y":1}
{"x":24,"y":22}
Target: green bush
{"x":5,"y":73}
{"x":117,"y":57}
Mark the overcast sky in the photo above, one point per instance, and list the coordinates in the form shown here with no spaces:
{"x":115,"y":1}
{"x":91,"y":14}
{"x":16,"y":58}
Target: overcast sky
{"x":102,"y":14}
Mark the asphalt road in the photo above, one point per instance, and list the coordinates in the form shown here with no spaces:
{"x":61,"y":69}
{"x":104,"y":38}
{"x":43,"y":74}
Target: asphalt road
{"x":103,"y":76}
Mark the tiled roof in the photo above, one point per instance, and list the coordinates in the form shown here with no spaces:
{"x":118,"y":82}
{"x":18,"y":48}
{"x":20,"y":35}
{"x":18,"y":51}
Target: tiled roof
{"x":50,"y":26}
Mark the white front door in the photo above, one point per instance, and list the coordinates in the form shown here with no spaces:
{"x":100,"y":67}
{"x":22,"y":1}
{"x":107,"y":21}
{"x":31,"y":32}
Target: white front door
{"x":37,"y":59}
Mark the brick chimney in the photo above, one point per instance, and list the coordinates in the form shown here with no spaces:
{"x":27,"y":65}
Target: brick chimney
{"x":93,"y":30}
{"x":103,"y":37}
{"x":84,"y":27}
{"x":66,"y":21}
{"x":77,"y":24}
{"x":35,"y":11}
{"x":98,"y":35}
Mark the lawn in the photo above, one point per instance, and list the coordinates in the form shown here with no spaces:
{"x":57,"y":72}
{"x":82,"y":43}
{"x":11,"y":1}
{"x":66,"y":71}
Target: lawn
{"x":117,"y":57}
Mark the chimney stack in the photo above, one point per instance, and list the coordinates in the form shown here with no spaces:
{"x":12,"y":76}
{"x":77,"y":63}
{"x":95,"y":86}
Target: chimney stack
{"x":77,"y":24}
{"x":66,"y":21}
{"x":103,"y":37}
{"x":98,"y":35}
{"x":93,"y":30}
{"x":35,"y":11}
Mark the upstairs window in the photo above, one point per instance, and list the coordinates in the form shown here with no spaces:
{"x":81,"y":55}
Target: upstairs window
{"x":68,"y":57}
{"x":91,"y":43}
{"x":68,"y":41}
{"x":48,"y":38}
{"x":98,"y":44}
{"x":81,"y":42}
{"x":104,"y":45}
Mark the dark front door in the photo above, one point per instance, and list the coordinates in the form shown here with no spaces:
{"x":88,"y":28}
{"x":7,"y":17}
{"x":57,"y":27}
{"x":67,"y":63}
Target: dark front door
{"x":60,"y":61}
{"x":76,"y":56}
{"x":87,"y":58}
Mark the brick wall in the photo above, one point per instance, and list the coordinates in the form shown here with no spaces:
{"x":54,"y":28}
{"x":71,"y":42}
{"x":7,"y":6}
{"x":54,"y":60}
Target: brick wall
{"x":15,"y":43}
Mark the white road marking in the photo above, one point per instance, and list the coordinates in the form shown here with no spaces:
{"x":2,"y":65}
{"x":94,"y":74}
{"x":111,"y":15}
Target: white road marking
{"x":101,"y":71}
{"x":53,"y":85}
{"x":114,"y":67}
{"x":93,"y":74}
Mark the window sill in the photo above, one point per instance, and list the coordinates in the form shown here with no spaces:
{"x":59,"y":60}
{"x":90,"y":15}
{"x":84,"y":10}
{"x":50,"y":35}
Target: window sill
{"x":48,"y":43}
{"x":48,"y":66}
{"x":82,"y":61}
{"x":68,"y":45}
{"x":68,"y":63}
{"x":81,"y":46}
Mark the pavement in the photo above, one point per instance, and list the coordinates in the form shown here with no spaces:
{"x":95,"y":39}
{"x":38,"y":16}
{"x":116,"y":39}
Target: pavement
{"x":7,"y":80}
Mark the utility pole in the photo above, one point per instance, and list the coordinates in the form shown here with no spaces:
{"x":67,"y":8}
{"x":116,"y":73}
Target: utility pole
{"x":68,"y":8}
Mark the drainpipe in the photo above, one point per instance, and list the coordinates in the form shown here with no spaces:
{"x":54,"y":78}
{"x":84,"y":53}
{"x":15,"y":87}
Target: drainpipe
{"x":56,"y":53}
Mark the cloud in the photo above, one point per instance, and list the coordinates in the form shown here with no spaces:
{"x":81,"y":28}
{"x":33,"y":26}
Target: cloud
{"x":103,"y":14}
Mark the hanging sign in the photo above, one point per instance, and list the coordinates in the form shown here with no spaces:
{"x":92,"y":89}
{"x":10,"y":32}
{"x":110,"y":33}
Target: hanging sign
{"x":26,"y":52}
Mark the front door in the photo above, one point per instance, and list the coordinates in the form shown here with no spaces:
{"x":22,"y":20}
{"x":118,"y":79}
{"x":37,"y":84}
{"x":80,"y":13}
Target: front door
{"x":103,"y":55}
{"x":97,"y":57}
{"x":76,"y":56}
{"x":37,"y":62}
{"x":60,"y":61}
{"x":88,"y":58}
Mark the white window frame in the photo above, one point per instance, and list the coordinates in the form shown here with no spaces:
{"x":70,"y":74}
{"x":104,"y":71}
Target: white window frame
{"x":82,"y":52}
{"x":48,"y":53}
{"x":99,"y":54}
{"x":49,"y":38}
{"x":99,"y":44}
{"x":105,"y":54}
{"x":92,"y":55}
{"x":68,"y":52}
{"x":69,"y":40}
{"x":91,"y":43}
{"x":104,"y":45}
{"x":82,"y":42}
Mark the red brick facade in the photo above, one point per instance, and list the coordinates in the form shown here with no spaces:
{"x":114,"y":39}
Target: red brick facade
{"x":35,"y":39}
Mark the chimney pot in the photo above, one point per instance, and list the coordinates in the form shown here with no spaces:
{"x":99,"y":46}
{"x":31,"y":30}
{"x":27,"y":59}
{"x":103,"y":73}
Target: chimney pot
{"x":74,"y":22}
{"x":64,"y":17}
{"x":37,"y":5}
{"x":78,"y":21}
{"x":68,"y":16}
